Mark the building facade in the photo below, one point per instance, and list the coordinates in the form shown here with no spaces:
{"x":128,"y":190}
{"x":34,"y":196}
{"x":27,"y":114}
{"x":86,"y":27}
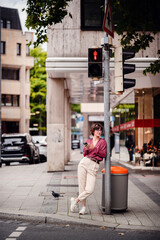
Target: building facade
{"x":15,"y":65}
{"x":67,"y":69}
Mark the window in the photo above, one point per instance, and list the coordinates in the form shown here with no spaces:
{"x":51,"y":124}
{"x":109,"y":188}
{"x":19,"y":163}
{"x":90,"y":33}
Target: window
{"x":8,"y":24}
{"x":10,"y":100}
{"x":10,"y":74}
{"x":92,"y":14}
{"x":27,"y":50}
{"x":3,"y":47}
{"x":3,"y":100}
{"x":18,"y":49}
{"x":15,"y":100}
{"x":12,"y":140}
{"x":10,"y":127}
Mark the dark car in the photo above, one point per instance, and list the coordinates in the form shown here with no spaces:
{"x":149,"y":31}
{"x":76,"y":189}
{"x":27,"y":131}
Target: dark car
{"x":19,"y":148}
{"x":75,"y":144}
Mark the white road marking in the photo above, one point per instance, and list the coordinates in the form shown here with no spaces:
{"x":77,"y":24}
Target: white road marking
{"x":11,"y":239}
{"x":15,"y":234}
{"x":21,"y":229}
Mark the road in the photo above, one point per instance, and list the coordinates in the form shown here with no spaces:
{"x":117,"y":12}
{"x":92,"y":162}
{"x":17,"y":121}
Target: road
{"x":11,"y":230}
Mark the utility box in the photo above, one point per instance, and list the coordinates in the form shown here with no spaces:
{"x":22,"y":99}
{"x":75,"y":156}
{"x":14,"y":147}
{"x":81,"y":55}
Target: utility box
{"x":119,"y":188}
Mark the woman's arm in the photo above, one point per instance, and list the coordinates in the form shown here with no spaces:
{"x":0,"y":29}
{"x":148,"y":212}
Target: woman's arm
{"x":102,"y":149}
{"x":86,"y":148}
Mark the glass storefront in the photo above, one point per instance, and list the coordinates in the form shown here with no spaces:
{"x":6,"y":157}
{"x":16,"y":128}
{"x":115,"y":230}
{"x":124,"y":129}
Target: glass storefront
{"x":137,"y":118}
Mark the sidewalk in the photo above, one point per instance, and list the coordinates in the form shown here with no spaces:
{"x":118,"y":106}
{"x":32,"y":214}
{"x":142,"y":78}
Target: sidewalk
{"x":25,"y":193}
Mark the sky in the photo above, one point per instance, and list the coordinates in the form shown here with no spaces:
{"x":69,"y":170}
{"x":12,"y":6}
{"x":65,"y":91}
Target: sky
{"x":19,"y":4}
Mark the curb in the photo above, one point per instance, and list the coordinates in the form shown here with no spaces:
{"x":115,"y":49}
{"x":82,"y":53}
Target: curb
{"x":138,"y":169}
{"x":67,"y":220}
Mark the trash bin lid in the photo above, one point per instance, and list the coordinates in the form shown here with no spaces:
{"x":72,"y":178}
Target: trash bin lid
{"x":117,"y":170}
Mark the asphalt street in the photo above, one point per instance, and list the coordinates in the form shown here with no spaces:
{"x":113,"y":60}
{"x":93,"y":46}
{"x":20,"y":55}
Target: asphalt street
{"x":11,"y":230}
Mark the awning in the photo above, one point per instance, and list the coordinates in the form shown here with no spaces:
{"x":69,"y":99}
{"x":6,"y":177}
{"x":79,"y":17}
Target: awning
{"x":137,"y":123}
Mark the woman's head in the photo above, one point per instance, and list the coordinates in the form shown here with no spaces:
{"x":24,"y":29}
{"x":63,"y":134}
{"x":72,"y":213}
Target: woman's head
{"x":96,"y":127}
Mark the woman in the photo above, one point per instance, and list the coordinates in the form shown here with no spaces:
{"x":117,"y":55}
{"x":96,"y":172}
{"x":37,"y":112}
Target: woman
{"x":94,"y":151}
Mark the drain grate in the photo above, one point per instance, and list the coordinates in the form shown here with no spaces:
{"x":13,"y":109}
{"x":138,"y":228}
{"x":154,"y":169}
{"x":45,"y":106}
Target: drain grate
{"x":49,"y":194}
{"x":62,"y":185}
{"x":69,"y":177}
{"x":45,"y":194}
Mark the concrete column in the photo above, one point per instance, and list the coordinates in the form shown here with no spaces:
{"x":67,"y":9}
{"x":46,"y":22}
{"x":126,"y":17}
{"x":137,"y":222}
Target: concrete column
{"x":65,"y":126}
{"x":55,"y":124}
{"x":140,"y":116}
{"x":22,"y":100}
{"x":148,"y":114}
{"x":69,"y":131}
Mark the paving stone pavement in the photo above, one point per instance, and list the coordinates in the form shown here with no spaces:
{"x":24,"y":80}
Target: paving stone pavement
{"x":25,"y":191}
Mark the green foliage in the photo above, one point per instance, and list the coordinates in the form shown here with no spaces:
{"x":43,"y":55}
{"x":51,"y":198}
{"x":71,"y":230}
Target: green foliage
{"x":136,"y":41}
{"x":154,"y":67}
{"x":38,"y":89}
{"x":137,"y":22}
{"x":76,"y":108}
{"x":41,"y":14}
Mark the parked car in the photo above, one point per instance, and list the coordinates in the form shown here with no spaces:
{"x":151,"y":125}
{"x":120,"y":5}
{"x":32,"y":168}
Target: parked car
{"x":75,"y":144}
{"x":41,"y":143}
{"x":19,"y":148}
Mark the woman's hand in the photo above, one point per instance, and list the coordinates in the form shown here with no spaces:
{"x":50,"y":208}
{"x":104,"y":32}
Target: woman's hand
{"x":86,"y":146}
{"x":89,"y":146}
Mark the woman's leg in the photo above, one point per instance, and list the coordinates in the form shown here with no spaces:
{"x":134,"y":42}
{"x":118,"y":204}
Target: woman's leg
{"x":89,"y":188}
{"x":82,"y":176}
{"x":92,"y":169}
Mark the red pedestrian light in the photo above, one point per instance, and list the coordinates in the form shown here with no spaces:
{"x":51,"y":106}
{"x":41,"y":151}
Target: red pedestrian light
{"x":95,"y":62}
{"x":95,"y":55}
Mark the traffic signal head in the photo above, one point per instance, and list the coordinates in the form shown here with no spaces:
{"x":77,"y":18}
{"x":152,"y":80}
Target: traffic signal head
{"x":122,"y":68}
{"x":95,"y":62}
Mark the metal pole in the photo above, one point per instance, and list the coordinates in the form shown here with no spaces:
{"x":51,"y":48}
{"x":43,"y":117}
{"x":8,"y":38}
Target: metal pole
{"x":107,"y":183}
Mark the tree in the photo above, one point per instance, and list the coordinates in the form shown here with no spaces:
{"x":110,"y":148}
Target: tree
{"x":41,"y":14}
{"x":76,"y":108}
{"x":137,"y":22}
{"x":38,"y":90}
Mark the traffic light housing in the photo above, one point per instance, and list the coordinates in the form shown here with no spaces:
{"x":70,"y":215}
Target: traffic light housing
{"x":121,"y":68}
{"x":95,"y":62}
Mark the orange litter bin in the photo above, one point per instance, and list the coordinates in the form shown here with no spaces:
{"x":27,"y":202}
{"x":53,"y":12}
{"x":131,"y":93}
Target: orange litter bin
{"x":119,"y":188}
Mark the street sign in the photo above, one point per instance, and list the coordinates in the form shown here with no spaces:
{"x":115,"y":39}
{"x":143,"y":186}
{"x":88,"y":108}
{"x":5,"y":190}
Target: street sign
{"x":108,"y":24}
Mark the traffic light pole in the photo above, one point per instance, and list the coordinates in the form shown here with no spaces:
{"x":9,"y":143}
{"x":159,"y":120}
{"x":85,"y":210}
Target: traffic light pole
{"x":107,"y":182}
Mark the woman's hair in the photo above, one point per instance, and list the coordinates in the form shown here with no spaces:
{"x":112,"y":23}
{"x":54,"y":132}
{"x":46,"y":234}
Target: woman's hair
{"x":96,"y":126}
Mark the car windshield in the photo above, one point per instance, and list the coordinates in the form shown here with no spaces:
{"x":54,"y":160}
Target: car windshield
{"x":13,"y":140}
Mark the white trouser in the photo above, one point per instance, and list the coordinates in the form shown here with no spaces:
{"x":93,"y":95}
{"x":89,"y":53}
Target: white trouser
{"x":87,"y":172}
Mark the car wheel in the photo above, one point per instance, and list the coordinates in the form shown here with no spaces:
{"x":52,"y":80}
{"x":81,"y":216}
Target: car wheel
{"x":7,"y":163}
{"x":38,"y":160}
{"x":32,"y":160}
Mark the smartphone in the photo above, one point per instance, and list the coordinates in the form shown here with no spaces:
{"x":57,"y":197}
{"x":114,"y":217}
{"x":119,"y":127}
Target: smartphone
{"x":85,"y":143}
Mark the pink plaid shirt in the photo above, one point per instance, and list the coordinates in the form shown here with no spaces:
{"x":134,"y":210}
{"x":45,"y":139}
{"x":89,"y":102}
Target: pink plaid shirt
{"x":98,"y":152}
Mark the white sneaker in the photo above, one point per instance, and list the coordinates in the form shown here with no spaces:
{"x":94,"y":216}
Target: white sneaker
{"x":74,"y":205}
{"x":83,"y":211}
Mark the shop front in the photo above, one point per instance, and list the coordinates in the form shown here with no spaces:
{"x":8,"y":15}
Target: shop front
{"x":137,"y":120}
